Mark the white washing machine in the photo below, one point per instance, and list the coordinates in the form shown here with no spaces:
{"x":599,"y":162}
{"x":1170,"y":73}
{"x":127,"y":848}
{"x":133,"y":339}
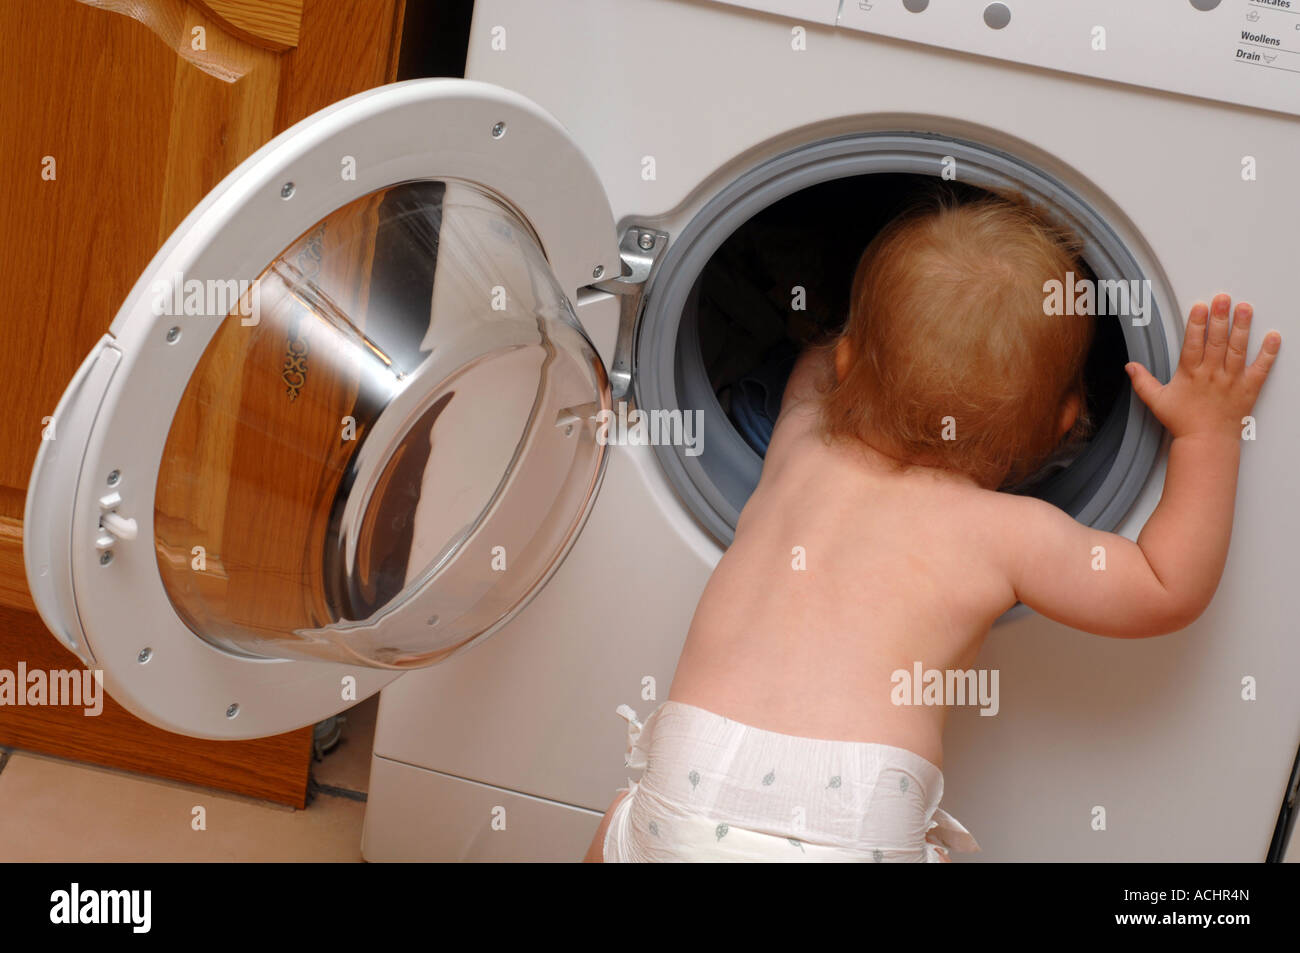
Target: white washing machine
{"x":248,"y":519}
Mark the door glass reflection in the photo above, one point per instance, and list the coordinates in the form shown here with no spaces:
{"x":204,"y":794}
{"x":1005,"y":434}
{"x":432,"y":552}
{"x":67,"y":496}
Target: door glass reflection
{"x":389,"y":455}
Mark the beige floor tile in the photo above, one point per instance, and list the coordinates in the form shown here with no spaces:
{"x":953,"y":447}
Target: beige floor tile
{"x":347,"y":766}
{"x":53,"y":810}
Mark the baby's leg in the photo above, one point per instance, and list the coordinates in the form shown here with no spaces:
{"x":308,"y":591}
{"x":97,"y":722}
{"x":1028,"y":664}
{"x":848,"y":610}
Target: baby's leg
{"x":596,"y":852}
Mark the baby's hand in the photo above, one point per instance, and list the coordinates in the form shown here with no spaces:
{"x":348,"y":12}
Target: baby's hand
{"x":1213,"y":388}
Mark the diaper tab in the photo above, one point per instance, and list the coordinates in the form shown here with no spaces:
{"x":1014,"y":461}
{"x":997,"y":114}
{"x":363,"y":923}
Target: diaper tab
{"x":946,"y":833}
{"x":635,"y":757}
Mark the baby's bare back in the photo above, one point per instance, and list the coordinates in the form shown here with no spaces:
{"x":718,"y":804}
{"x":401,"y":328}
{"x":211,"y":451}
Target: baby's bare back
{"x":843,"y":572}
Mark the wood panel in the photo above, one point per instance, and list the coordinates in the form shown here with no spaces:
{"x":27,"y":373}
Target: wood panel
{"x":237,"y":117}
{"x":13,"y":577}
{"x":346,"y":46}
{"x":270,"y":23}
{"x":137,"y":137}
{"x":198,"y":39}
{"x":74,"y":243}
{"x":139,"y":126}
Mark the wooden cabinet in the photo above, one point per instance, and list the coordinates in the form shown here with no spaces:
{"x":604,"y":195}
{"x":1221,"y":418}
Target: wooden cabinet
{"x":116,"y":118}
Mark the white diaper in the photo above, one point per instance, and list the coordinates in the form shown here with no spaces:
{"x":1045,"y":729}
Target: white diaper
{"x":714,"y":789}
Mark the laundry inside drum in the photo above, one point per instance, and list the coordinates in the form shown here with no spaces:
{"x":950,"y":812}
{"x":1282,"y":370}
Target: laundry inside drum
{"x":781,"y":281}
{"x":388,"y":456}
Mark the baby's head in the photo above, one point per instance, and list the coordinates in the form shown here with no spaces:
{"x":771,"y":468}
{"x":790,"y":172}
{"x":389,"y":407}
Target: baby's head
{"x":947,"y":320}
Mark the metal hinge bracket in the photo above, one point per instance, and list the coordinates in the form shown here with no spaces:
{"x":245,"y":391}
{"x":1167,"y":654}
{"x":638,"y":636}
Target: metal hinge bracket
{"x":640,"y":250}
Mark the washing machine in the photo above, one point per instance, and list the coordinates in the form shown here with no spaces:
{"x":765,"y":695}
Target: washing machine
{"x":344,"y":435}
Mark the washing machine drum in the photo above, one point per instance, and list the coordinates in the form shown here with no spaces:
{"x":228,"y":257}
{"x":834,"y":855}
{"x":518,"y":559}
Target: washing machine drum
{"x":386,"y":446}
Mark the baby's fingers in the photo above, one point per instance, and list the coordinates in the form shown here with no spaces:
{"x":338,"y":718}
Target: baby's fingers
{"x":1194,"y":338}
{"x":1258,"y":371}
{"x":1145,"y":384}
{"x":1216,"y":338}
{"x":1238,"y":339}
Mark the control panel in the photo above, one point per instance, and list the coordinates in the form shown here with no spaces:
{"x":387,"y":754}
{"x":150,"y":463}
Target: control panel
{"x":1236,"y":51}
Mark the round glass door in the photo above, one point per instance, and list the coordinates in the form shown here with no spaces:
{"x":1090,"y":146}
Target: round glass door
{"x":389,"y":444}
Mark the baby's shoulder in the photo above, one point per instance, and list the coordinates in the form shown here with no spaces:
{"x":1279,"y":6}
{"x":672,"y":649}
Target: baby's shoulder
{"x":1009,"y":522}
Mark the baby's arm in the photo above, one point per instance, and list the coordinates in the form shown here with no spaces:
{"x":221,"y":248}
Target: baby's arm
{"x":1166,"y":579}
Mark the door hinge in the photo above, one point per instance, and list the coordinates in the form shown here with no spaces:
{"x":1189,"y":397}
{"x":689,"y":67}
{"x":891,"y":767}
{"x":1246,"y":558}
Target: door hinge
{"x":640,"y":251}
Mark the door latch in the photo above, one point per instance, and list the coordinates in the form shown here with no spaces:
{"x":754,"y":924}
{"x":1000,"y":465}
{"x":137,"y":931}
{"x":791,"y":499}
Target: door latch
{"x":112,"y":525}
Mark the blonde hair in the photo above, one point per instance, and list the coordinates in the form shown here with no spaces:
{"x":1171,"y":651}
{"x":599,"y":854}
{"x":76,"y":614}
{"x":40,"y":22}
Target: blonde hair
{"x":947,"y":320}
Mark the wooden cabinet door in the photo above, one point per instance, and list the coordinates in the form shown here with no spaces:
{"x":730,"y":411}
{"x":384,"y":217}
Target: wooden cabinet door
{"x":116,"y":118}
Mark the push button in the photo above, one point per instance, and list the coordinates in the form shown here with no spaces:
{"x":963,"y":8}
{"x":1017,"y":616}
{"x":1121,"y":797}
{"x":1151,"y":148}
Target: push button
{"x":997,"y":15}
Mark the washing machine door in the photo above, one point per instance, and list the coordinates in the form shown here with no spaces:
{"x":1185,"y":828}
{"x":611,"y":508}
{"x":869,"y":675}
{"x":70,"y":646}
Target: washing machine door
{"x":343,"y":426}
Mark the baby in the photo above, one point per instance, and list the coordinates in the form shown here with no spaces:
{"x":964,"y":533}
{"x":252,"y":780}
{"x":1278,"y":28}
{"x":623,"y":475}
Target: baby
{"x":876,"y":539}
